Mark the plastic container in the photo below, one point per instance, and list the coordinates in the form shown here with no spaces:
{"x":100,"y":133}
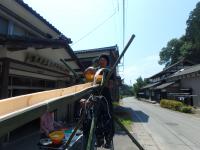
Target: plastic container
{"x":57,"y":137}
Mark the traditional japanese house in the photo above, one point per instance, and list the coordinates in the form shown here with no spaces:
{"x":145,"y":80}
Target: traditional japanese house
{"x":159,"y":87}
{"x":189,"y":80}
{"x":32,"y":56}
{"x":31,"y":50}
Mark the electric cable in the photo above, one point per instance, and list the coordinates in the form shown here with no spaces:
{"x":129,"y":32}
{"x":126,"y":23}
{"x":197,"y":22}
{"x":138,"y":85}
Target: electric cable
{"x":94,"y":29}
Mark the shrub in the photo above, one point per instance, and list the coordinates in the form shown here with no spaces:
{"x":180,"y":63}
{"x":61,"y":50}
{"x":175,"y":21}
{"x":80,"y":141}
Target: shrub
{"x":171,"y":104}
{"x":186,"y":109}
{"x":175,"y":105}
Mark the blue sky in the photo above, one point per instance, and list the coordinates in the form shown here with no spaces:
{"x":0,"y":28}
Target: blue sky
{"x":153,"y":22}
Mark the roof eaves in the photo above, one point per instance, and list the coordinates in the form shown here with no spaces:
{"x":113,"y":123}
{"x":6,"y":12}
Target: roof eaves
{"x":73,"y":55}
{"x":165,"y":69}
{"x":29,"y":41}
{"x":28,"y":8}
{"x":150,"y":85}
{"x":187,"y":70}
{"x":103,"y":49}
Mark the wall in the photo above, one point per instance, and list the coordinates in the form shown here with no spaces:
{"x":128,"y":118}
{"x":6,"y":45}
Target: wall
{"x":26,"y":15}
{"x":3,"y":52}
{"x":193,"y":83}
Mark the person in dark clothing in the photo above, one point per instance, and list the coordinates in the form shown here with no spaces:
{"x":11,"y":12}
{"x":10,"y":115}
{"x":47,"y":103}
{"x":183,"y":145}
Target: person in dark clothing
{"x":105,"y":124}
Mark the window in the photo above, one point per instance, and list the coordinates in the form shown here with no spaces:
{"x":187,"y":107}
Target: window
{"x":3,"y":26}
{"x":18,"y":31}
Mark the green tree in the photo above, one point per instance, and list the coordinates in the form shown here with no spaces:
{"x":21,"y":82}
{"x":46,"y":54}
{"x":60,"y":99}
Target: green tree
{"x":125,"y":90}
{"x":171,"y":53}
{"x":191,"y":48}
{"x":138,"y":85}
{"x":193,"y":26}
{"x":188,"y":46}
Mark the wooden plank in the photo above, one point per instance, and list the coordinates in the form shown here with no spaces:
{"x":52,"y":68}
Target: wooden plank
{"x":20,"y":118}
{"x":17,"y":111}
{"x":10,"y":105}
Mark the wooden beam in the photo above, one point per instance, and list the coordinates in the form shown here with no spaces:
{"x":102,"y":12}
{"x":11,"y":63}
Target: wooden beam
{"x":17,"y":111}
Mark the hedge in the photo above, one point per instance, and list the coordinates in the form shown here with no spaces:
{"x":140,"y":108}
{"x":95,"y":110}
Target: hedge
{"x":186,"y":109}
{"x":171,"y":104}
{"x":175,"y":105}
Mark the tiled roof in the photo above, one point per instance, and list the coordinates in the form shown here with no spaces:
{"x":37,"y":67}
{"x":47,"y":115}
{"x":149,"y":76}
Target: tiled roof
{"x":167,"y":68}
{"x":164,"y":85}
{"x":28,"y":8}
{"x":150,"y":85}
{"x":187,"y":70}
{"x":103,"y":49}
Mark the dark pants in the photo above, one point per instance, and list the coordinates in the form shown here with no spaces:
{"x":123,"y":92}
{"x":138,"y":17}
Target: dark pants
{"x":105,"y":124}
{"x":104,"y":114}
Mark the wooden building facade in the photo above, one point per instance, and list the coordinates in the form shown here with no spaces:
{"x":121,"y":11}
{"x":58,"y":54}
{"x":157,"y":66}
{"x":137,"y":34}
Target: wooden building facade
{"x":160,"y":87}
{"x":32,"y":57}
{"x":31,"y":50}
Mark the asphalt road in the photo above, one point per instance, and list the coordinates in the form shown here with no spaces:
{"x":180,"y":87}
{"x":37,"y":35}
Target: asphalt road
{"x":161,"y":129}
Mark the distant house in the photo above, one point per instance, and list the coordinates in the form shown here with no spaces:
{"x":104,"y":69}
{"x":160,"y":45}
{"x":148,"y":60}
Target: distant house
{"x":189,"y":80}
{"x":165,"y":85}
{"x":89,"y":58}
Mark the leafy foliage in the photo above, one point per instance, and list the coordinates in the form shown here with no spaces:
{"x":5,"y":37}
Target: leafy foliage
{"x":171,"y":104}
{"x":193,"y":26}
{"x":137,"y":86}
{"x":188,"y":46}
{"x":175,"y":105}
{"x":171,"y":53}
{"x":186,"y":109}
{"x":126,"y":90}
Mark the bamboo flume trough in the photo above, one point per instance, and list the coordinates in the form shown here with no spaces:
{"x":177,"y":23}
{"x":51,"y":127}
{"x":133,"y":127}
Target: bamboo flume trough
{"x":19,"y":110}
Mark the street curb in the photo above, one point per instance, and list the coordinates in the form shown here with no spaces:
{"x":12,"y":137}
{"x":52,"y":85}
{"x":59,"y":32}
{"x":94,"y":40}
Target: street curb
{"x":148,"y":101}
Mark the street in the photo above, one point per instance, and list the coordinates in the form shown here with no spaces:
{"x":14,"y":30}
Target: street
{"x":158,"y":128}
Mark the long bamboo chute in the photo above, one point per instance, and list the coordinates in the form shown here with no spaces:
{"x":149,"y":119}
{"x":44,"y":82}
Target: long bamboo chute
{"x":17,"y":111}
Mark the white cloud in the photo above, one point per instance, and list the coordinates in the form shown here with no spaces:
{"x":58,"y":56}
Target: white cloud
{"x":146,"y":67}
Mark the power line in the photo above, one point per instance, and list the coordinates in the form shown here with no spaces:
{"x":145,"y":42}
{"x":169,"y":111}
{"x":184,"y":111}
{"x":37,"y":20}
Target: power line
{"x":115,"y":24}
{"x":123,"y":30}
{"x":117,"y":5}
{"x":94,"y":29}
{"x":123,"y":22}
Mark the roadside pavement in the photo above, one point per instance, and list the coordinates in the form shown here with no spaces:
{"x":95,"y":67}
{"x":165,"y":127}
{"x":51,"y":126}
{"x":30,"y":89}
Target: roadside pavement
{"x":122,"y":142}
{"x":158,"y":128}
